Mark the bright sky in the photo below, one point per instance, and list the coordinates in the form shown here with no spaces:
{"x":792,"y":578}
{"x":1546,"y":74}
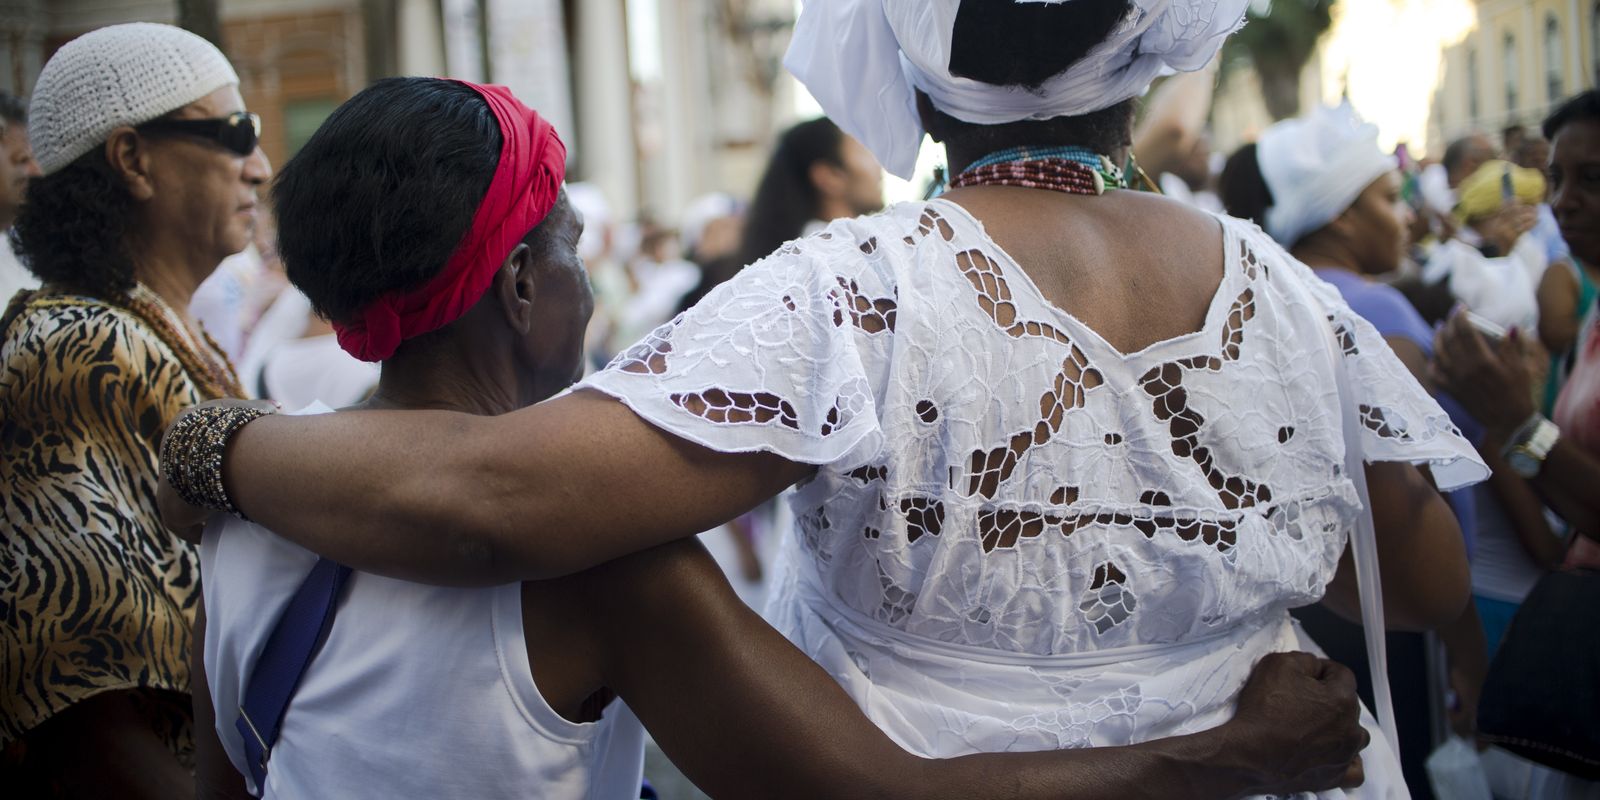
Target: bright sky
{"x":644,"y":42}
{"x":1390,"y":51}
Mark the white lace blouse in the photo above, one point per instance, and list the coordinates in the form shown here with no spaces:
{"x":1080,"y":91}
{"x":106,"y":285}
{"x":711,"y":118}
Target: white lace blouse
{"x":1017,"y":534}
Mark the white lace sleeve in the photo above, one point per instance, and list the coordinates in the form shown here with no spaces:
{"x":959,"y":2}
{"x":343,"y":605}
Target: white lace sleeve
{"x":1400,"y":420}
{"x":787,"y":358}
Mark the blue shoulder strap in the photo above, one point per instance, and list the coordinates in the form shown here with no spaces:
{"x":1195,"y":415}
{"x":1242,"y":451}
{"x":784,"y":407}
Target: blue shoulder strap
{"x":289,"y":650}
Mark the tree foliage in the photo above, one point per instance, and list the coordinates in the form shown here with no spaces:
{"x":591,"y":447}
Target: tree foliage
{"x":1280,"y":37}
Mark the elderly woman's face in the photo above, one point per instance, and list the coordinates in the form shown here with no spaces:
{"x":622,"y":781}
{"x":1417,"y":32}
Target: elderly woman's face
{"x":562,"y":304}
{"x":1575,"y":186}
{"x":202,"y":189}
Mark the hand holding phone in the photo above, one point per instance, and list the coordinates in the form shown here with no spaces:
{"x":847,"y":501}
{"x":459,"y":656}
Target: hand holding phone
{"x":1485,"y":326}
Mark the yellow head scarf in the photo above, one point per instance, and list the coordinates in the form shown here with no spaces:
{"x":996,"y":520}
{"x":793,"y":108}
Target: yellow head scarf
{"x":1484,"y":192}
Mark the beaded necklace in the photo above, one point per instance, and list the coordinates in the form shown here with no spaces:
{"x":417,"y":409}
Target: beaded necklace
{"x":208,"y":366}
{"x":1074,"y":170}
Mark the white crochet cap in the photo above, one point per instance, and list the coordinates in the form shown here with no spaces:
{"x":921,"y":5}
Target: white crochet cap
{"x":115,"y":76}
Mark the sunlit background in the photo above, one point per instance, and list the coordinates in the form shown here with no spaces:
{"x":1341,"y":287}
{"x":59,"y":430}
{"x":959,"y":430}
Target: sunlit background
{"x":664,"y":101}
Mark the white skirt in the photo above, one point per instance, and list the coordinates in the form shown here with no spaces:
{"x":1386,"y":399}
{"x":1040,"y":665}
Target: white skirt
{"x":940,"y":700}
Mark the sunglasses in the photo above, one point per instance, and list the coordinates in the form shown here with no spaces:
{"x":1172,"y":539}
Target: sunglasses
{"x":239,"y":132}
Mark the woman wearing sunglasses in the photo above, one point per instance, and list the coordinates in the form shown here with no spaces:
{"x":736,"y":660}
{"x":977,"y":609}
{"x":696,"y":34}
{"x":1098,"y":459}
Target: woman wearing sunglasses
{"x":150,"y":177}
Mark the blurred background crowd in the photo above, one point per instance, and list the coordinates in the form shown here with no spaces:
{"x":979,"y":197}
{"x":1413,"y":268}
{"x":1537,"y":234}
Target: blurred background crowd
{"x":693,"y":154}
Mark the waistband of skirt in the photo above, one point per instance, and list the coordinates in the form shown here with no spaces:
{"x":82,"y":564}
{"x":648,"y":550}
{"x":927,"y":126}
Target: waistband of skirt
{"x":819,"y":599}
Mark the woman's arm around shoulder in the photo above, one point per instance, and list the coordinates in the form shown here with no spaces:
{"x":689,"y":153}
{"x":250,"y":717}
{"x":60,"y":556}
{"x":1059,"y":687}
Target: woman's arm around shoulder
{"x":455,"y":499}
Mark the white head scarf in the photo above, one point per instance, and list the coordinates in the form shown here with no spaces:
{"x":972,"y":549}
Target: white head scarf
{"x":863,"y":61}
{"x":1316,"y":166}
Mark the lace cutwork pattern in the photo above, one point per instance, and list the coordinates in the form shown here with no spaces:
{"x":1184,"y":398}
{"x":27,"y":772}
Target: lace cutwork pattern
{"x":994,"y":475}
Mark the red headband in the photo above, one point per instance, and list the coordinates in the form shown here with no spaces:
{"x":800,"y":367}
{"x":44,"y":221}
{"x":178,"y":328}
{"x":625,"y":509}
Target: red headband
{"x":525,"y":187}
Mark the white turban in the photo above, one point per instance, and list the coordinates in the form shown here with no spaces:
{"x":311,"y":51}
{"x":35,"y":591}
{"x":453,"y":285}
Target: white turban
{"x":115,"y":76}
{"x":1316,"y":166}
{"x":863,"y":61}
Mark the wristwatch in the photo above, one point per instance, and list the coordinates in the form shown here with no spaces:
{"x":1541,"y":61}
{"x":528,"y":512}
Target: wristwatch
{"x":1526,"y":450}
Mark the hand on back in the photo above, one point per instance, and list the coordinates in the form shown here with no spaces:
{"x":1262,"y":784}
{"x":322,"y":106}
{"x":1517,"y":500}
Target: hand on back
{"x":1299,"y":716}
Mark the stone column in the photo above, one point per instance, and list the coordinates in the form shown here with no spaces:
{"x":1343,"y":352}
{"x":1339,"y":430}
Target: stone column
{"x":606,"y":154}
{"x":420,"y":37}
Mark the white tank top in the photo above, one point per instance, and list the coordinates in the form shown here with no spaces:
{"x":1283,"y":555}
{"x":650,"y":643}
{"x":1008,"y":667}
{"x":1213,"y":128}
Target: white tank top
{"x":419,"y":691}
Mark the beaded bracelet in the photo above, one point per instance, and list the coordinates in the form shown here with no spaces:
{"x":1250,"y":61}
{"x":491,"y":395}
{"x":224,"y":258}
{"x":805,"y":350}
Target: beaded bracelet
{"x":191,"y":453}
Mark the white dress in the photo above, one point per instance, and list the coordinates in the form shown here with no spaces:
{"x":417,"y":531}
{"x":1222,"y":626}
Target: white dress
{"x":1019,"y":538}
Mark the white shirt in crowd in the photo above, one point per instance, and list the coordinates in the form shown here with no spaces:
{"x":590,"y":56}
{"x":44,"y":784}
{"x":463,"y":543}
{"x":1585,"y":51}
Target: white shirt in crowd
{"x":1434,"y":183}
{"x":1178,"y":189}
{"x":282,"y":364}
{"x":1503,"y":290}
{"x":13,"y":276}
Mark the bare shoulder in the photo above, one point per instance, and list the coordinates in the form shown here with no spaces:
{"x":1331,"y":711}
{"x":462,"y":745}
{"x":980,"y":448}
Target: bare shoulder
{"x":1165,"y":220}
{"x":1151,"y":236}
{"x":1166,"y":207}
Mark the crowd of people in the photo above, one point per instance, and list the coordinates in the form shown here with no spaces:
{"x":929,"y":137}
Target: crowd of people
{"x":1044,"y":486}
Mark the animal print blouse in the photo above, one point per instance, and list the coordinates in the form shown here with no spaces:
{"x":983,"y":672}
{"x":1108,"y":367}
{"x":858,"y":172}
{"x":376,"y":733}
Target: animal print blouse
{"x":95,"y":594}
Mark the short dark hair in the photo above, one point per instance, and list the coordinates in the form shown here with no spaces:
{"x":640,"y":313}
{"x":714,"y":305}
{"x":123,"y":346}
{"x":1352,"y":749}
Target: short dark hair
{"x":1456,"y":151}
{"x":13,"y":110}
{"x":1243,"y":188}
{"x":1580,"y":107}
{"x":1525,"y":147}
{"x":379,"y":197}
{"x":72,"y":227}
{"x":1004,"y":43}
{"x":786,"y":199}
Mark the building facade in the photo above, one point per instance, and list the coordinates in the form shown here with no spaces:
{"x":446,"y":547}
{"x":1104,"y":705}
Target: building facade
{"x":1521,"y":59}
{"x":660,"y":101}
{"x":1430,"y":71}
{"x":297,"y":59}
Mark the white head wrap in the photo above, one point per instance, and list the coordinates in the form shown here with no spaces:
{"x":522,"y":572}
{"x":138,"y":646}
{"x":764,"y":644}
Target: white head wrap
{"x":863,"y":61}
{"x":115,"y":76}
{"x":1316,"y":166}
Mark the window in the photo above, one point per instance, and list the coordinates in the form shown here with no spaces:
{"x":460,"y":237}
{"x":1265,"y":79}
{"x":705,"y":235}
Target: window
{"x":1472,"y":85}
{"x":1554,"y":86}
{"x":301,"y":118}
{"x":1594,"y":41}
{"x":1510,"y":73}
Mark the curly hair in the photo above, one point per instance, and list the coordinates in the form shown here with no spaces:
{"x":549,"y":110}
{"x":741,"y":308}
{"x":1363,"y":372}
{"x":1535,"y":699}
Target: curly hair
{"x":72,"y":228}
